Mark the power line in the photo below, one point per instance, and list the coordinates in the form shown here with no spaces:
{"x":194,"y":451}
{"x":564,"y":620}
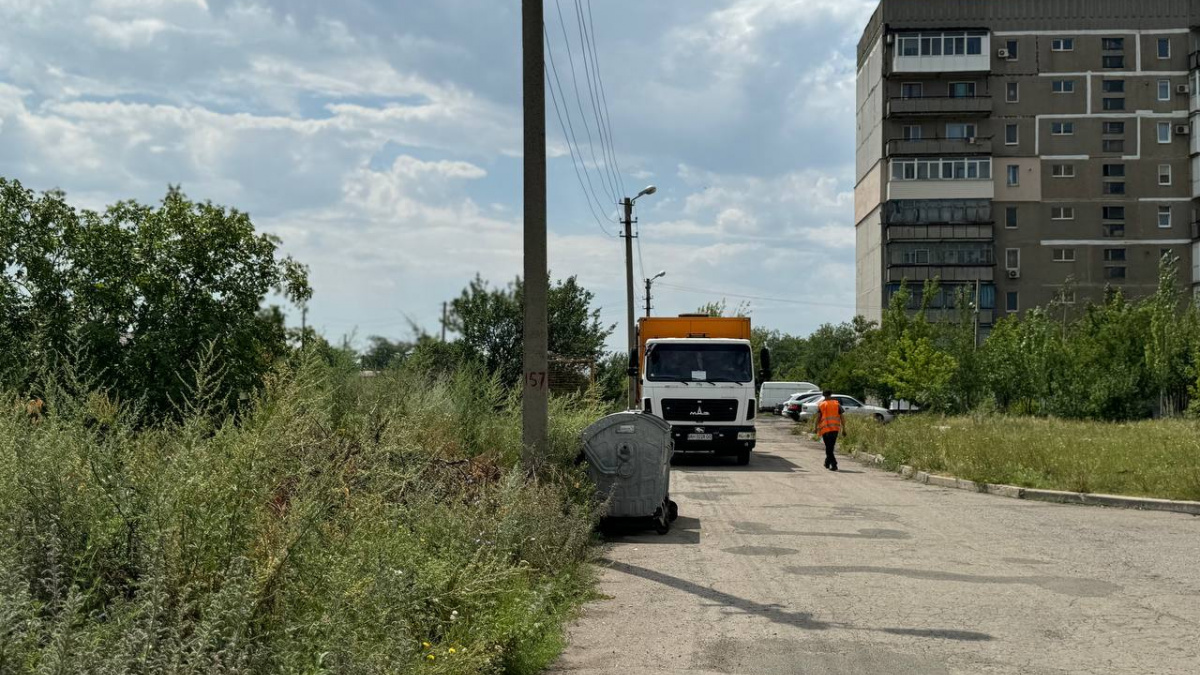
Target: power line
{"x":807,"y":303}
{"x":604,"y":100}
{"x":592,"y":70}
{"x":579,"y":100}
{"x":588,"y":197}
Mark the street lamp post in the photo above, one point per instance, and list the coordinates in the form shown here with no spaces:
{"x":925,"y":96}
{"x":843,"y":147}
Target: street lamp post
{"x":649,"y":283}
{"x":628,"y":204}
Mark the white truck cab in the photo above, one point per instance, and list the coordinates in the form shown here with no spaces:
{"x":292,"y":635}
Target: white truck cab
{"x":703,"y":387}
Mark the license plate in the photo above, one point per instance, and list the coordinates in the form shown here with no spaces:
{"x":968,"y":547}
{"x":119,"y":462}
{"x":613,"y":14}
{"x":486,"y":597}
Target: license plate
{"x":700,"y":437}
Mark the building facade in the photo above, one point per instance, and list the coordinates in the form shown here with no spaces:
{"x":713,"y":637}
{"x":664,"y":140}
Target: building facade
{"x":1026,"y":152}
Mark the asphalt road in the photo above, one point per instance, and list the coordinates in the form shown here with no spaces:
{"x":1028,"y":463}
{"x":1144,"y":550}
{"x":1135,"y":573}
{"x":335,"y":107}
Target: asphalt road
{"x":784,"y":567}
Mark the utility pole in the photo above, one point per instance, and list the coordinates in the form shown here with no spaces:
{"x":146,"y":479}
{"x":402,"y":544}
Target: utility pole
{"x":303,"y":327}
{"x":977,"y":314}
{"x":628,"y":204}
{"x":535,"y":383}
{"x":444,"y":319}
{"x":648,"y":284}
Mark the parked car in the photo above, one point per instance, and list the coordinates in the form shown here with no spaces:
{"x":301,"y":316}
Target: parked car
{"x":794,"y":405}
{"x":851,"y":406}
{"x":781,"y":407}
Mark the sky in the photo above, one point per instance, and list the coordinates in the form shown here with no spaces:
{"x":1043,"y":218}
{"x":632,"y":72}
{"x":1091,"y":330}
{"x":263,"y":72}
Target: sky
{"x":382,"y":141}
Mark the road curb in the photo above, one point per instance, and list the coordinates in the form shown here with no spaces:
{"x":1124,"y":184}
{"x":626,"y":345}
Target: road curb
{"x":1052,"y":496}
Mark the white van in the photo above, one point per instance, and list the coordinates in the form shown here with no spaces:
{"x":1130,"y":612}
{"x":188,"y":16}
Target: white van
{"x":771,"y":394}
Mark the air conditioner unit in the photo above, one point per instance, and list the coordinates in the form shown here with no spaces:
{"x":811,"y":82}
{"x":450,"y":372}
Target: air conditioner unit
{"x":1183,"y":89}
{"x":1003,"y":53}
{"x":1014,"y":274}
{"x":1182,"y":130}
{"x":971,"y":140}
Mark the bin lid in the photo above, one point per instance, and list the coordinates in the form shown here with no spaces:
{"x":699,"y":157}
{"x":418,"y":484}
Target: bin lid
{"x":602,"y":438}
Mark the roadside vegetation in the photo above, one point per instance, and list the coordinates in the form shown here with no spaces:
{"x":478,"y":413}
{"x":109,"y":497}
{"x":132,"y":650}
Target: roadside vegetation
{"x":188,"y":486}
{"x":1151,"y":458}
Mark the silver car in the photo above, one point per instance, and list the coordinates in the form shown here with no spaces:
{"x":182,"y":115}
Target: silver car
{"x":792,"y":406}
{"x":850,"y":405}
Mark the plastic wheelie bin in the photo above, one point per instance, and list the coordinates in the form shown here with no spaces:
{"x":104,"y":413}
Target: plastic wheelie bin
{"x":629,"y":459}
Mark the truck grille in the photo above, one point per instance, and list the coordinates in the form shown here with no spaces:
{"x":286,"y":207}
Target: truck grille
{"x":699,"y":411}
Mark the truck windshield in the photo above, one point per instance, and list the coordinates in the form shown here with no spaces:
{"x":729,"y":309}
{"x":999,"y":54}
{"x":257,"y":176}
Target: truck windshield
{"x":699,"y":363}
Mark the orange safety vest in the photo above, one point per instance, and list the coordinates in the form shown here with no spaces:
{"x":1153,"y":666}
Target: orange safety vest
{"x":831,"y":417}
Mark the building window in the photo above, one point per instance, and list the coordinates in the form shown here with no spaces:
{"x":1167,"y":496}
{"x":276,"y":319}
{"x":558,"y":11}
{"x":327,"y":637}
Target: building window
{"x":1063,"y":170}
{"x":1114,"y":255}
{"x":1164,"y":90}
{"x":910,"y":46}
{"x":1114,"y":86}
{"x":1014,"y":175}
{"x":1011,"y":46}
{"x":1113,"y":103}
{"x":1114,"y":187}
{"x":939,"y":168}
{"x":1063,"y":86}
{"x":1011,"y":300}
{"x":1164,"y":174}
{"x":1164,"y":217}
{"x":1164,"y":132}
{"x":1012,"y":92}
{"x":917,"y":257}
{"x":961,"y":131}
{"x":1114,"y":272}
{"x":1114,"y":230}
{"x":912,"y":132}
{"x":912,"y":90}
{"x":1164,"y":48}
{"x":1011,"y":134}
{"x":1062,"y":44}
{"x":962,"y":90}
{"x":1064,"y":255}
{"x":1113,"y":212}
{"x":1114,"y":62}
{"x":1113,"y":145}
{"x":1062,"y":128}
{"x":1062,"y":213}
{"x":1113,"y":44}
{"x":1114,"y":170}
{"x":1114,"y":128}
{"x":1010,"y":217}
{"x":1012,"y":258}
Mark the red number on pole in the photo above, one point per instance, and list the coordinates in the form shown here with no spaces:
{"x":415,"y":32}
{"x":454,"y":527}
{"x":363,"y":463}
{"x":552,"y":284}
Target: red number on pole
{"x":535,"y":380}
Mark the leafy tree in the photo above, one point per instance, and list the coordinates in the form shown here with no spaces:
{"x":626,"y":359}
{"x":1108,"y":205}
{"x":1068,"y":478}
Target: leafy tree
{"x":382,"y":353}
{"x":918,"y":372}
{"x":137,"y":293}
{"x":489,"y":322}
{"x":721,"y":308}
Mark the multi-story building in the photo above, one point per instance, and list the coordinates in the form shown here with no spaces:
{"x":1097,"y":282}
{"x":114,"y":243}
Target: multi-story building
{"x":1034,"y":151}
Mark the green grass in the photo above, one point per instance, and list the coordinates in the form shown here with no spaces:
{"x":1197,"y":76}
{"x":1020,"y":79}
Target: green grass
{"x":342,"y":526}
{"x":1159,"y":458}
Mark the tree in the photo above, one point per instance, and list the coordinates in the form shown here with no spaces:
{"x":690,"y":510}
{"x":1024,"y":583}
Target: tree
{"x":489,"y":322}
{"x":920,"y":373}
{"x":136,"y":294}
{"x":715,"y":309}
{"x":382,"y":353}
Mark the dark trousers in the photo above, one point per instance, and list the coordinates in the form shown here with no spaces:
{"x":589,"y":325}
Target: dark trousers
{"x":830,"y":441}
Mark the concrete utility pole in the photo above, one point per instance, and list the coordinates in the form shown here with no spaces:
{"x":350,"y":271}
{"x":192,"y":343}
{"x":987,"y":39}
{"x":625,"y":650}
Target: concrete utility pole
{"x":303,"y":327}
{"x":628,"y":203}
{"x":445,"y":318}
{"x":535,"y":382}
{"x":977,"y":314}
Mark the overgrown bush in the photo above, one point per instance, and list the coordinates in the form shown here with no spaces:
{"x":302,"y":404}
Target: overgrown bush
{"x":344,"y":524}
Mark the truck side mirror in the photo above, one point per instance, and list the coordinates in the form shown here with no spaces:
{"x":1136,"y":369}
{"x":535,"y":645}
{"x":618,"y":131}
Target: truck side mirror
{"x":633,"y":369}
{"x":764,"y":357}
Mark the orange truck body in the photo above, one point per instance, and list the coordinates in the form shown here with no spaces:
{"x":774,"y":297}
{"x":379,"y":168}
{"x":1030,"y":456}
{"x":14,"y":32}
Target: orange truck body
{"x":688,"y":326}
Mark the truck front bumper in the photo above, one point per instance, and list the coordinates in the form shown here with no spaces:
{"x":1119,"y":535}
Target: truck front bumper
{"x":718,"y":439}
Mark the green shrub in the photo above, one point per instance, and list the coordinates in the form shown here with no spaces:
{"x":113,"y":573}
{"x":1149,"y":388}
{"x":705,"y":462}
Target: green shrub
{"x":344,"y":524}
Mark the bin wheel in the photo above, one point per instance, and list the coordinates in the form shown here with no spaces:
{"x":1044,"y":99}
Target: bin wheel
{"x":662,"y":525}
{"x":743,"y":457}
{"x":672,"y":510}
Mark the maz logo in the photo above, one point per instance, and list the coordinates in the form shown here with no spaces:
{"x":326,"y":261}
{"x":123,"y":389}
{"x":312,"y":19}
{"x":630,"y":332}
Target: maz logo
{"x":699,"y":412}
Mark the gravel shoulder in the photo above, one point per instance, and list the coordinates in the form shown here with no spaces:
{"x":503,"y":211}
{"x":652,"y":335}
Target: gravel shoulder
{"x":784,"y":567}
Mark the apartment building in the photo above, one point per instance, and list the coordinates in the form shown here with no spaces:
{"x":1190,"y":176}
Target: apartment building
{"x":1031,"y":151}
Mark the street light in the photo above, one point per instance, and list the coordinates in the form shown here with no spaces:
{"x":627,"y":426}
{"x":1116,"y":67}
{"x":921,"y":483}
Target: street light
{"x":628,"y":204}
{"x":648,"y":284}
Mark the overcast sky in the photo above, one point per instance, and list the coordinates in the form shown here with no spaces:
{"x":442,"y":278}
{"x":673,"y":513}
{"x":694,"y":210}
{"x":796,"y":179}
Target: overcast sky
{"x":381,"y":140}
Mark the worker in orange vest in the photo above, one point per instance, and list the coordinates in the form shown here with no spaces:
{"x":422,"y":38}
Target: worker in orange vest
{"x":829,"y":425}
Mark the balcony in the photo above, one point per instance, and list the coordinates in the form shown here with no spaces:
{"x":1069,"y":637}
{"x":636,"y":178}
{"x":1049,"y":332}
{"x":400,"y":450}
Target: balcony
{"x":940,"y":233}
{"x":940,"y":106}
{"x":938,"y":212}
{"x":940,"y":146}
{"x":942,"y":52}
{"x":945,"y":274}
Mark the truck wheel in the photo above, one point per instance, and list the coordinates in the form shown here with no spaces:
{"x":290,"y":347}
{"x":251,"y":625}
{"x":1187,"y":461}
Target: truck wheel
{"x":743,"y":457}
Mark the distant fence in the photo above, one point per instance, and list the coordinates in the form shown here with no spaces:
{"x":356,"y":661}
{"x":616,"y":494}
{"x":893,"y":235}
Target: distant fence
{"x":571,"y":375}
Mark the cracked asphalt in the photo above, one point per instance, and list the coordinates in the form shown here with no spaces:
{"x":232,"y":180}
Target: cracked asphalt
{"x":784,"y":567}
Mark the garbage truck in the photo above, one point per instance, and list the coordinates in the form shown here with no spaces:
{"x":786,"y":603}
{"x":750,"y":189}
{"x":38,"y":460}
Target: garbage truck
{"x":697,"y":373}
